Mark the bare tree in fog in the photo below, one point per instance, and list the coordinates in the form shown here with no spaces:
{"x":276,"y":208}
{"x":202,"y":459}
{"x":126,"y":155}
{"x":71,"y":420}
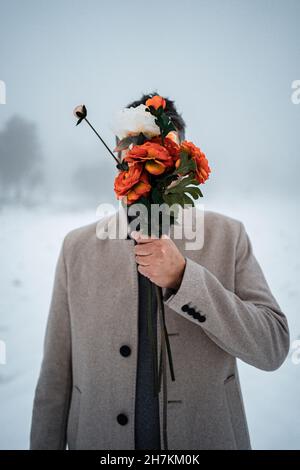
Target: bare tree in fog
{"x":20,"y":160}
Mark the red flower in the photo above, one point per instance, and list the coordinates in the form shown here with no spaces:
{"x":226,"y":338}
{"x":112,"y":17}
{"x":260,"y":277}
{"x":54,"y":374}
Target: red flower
{"x":132,"y":183}
{"x":155,"y":156}
{"x":172,"y":147}
{"x":202,"y":167}
{"x":156,"y":101}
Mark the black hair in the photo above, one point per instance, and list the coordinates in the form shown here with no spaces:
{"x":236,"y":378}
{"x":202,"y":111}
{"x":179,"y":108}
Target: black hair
{"x":170,"y":110}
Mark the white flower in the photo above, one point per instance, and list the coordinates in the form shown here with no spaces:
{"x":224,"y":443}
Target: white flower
{"x":132,"y":121}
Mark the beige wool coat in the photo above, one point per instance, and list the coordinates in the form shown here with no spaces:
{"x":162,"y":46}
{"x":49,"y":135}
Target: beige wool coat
{"x":223,"y":310}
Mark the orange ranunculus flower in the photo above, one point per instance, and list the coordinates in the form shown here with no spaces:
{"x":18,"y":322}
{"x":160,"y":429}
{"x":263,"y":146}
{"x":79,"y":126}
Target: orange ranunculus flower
{"x":155,"y":156}
{"x":202,"y":167}
{"x":142,"y":188}
{"x":132,"y":183}
{"x":172,"y":147}
{"x":156,"y":101}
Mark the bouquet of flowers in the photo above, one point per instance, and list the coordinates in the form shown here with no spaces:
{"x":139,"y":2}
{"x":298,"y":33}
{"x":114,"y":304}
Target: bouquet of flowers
{"x":156,"y":169}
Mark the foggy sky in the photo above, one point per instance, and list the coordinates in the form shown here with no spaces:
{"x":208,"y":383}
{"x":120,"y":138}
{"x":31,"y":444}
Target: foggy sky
{"x":228,"y":65}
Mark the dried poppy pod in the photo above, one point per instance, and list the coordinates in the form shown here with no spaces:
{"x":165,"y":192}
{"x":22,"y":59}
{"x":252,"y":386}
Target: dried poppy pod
{"x":80,"y":112}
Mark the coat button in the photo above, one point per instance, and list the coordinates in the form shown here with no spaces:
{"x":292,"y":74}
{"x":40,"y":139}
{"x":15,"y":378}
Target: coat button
{"x":185,"y":308}
{"x":192,"y":311}
{"x":125,"y":350}
{"x":202,"y":318}
{"x":122,"y":419}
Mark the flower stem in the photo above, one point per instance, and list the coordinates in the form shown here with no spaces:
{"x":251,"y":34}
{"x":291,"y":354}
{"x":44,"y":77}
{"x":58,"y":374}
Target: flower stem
{"x":165,"y":332}
{"x":151,"y":336}
{"x":98,"y":135}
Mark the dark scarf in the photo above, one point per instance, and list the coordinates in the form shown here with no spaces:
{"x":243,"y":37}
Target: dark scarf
{"x":147,"y":428}
{"x":147,"y":425}
{"x":150,"y":376}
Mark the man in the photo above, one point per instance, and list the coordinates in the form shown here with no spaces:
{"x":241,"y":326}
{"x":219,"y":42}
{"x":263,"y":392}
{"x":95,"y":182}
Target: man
{"x":218,"y":307}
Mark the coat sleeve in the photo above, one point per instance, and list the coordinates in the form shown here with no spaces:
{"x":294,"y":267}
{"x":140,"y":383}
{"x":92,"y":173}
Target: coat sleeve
{"x":247,"y":323}
{"x":52,"y":393}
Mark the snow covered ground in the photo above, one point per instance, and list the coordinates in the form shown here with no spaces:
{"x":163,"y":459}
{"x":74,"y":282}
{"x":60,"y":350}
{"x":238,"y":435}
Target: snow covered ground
{"x":29,"y":245}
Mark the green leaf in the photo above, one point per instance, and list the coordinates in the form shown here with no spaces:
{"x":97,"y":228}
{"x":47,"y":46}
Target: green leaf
{"x":164,"y":122}
{"x":141,"y":138}
{"x":79,"y":121}
{"x":170,"y":198}
{"x":188,"y":200}
{"x":186,"y":164}
{"x":184,"y":192}
{"x":182,"y":183}
{"x":194,"y":192}
{"x":132,"y":139}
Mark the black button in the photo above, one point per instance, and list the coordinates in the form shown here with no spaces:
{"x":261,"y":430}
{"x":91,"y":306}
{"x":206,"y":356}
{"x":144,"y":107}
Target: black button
{"x":202,"y":318}
{"x":122,"y":419}
{"x":192,"y":311}
{"x":185,"y":308}
{"x":125,"y":350}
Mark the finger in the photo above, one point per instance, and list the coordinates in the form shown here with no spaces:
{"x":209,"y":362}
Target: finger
{"x":144,"y":270}
{"x":144,"y":260}
{"x":142,"y":238}
{"x":144,"y":249}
